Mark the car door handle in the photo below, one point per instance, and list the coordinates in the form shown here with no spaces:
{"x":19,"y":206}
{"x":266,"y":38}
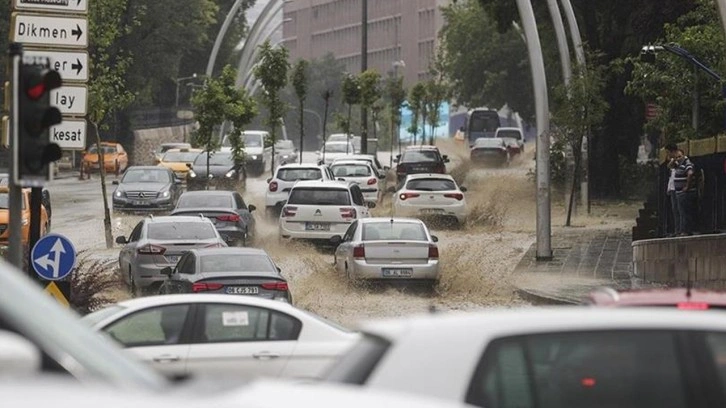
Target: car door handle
{"x":166,"y":358}
{"x":265,"y":355}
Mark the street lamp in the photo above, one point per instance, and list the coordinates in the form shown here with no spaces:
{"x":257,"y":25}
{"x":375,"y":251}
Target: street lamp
{"x":396,"y":65}
{"x":178,"y":81}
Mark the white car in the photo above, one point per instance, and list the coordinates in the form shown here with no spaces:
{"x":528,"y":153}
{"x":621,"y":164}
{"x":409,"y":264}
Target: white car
{"x":334,"y":150}
{"x":257,"y":156}
{"x":373,"y":161}
{"x":319,"y":210}
{"x":388,"y":249}
{"x":431,"y":195}
{"x":513,"y":137}
{"x":361,"y":173}
{"x":222,"y":335}
{"x":547,"y":357}
{"x":278,"y":187}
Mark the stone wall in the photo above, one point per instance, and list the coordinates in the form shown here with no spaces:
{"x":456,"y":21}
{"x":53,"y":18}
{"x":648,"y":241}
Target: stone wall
{"x":148,"y":140}
{"x":672,"y":261}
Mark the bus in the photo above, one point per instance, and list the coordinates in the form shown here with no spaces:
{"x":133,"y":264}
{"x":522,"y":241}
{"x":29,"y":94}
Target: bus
{"x":481,"y":122}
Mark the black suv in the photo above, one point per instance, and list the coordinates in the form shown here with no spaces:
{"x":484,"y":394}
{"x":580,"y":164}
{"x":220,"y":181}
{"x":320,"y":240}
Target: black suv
{"x":420,"y":159}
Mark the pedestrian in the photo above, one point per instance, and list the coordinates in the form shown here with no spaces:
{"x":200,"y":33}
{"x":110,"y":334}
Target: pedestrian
{"x":671,"y":150}
{"x":685,"y":185}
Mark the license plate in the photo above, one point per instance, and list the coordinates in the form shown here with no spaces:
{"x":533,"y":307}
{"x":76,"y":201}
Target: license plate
{"x":316,"y":226}
{"x":172,"y":258}
{"x":242,"y":290}
{"x":397,"y":272}
{"x":139,"y":203}
{"x":432,"y":211}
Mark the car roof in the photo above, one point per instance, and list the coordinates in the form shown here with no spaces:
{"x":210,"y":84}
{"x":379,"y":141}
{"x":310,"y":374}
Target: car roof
{"x":176,"y":218}
{"x":336,"y":142}
{"x":421,"y":147}
{"x":430,"y":175}
{"x":389,"y":219}
{"x":147,"y":168}
{"x":158,"y":300}
{"x":228,"y":251}
{"x":322,"y":183}
{"x":509,"y":128}
{"x":347,"y":160}
{"x":255,"y":132}
{"x":176,"y":144}
{"x":184,"y":150}
{"x":358,"y":156}
{"x":300,"y":165}
{"x":656,"y":297}
{"x":208,"y":193}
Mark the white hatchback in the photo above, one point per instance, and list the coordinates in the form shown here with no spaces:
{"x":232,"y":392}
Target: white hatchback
{"x":334,"y":150}
{"x":278,"y":187}
{"x":360,"y":173}
{"x":431,"y":195}
{"x":320,"y":210}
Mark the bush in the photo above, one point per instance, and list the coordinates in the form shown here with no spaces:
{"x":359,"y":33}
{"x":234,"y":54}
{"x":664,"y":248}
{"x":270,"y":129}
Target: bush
{"x":92,"y":284}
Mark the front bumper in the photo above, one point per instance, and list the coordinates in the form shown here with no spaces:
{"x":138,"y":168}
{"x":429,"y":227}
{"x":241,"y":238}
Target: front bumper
{"x":156,"y":204}
{"x":361,"y":269}
{"x":148,"y":275}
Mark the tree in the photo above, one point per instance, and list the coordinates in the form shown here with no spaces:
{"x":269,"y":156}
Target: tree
{"x":436,"y":91}
{"x":326,"y":96}
{"x":370,"y":93}
{"x":271,"y":71}
{"x":351,"y":96}
{"x":416,"y":103}
{"x":396,"y":94}
{"x":299,"y":78}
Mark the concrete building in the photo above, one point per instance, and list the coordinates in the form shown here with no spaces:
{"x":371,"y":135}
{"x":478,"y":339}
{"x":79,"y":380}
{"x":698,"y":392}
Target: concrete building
{"x":398,"y":30}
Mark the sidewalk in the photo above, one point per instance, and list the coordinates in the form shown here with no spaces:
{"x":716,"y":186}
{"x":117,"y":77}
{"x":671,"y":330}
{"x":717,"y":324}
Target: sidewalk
{"x":583,"y":260}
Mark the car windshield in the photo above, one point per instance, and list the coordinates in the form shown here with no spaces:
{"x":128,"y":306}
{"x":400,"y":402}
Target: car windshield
{"x":180,"y":157}
{"x":509,"y":134}
{"x":319,"y":196}
{"x":146,"y":176}
{"x":484,"y":121}
{"x":254,"y":140}
{"x":350,"y":170}
{"x":431,"y":184}
{"x":417,"y":156}
{"x":106,"y":149}
{"x":338,"y":148}
{"x":205,"y":201}
{"x":236,"y":263}
{"x":284,"y":145}
{"x":96,"y":317}
{"x":295,"y":174}
{"x":215,"y":159}
{"x":393,"y":231}
{"x":167,"y":231}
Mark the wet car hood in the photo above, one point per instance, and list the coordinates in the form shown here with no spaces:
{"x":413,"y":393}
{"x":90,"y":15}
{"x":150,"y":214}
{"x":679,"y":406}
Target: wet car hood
{"x":143,"y":186}
{"x":251,"y":151}
{"x":216,"y":171}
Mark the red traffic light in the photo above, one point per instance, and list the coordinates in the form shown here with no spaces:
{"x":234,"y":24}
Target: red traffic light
{"x":36,"y":91}
{"x":38,"y":81}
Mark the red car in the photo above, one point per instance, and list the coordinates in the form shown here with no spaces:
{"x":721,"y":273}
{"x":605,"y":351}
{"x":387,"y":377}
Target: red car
{"x":681,"y":298}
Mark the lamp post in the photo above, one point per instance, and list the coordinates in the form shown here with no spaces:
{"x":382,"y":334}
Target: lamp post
{"x":394,"y":129}
{"x":178,"y":81}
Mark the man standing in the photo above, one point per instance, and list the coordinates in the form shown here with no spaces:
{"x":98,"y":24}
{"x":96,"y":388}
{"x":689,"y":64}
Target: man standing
{"x":671,"y":150}
{"x":686,"y":192}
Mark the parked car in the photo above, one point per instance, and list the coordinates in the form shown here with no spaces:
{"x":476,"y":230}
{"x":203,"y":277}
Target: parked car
{"x":513,"y":138}
{"x":45,"y":196}
{"x":334,"y":150}
{"x":25,"y":217}
{"x":370,"y":158}
{"x":146,"y":188}
{"x":318,"y":210}
{"x":223,"y":174}
{"x":115,"y":158}
{"x":178,"y":161}
{"x":164,"y":147}
{"x":257,"y":155}
{"x":565,"y":357}
{"x":238,"y":337}
{"x":420,"y":159}
{"x":278,"y":187}
{"x":158,"y":242}
{"x":285,"y":152}
{"x":490,"y":151}
{"x":431,"y":195}
{"x":234,"y":271}
{"x":679,"y":298}
{"x":229,"y":213}
{"x":360,"y":173}
{"x":388,"y":249}
{"x":339,"y":137}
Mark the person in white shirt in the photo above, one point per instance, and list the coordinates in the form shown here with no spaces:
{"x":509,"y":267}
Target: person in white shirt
{"x":672,"y":150}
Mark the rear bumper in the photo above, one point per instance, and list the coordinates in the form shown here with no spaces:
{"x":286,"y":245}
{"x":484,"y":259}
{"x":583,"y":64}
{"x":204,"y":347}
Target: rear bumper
{"x":457,"y":211}
{"x":361,"y":269}
{"x":297,"y":233}
{"x":232,"y":234}
{"x":214,"y":183}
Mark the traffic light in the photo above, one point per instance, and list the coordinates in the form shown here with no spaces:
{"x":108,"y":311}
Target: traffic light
{"x":35,"y":151}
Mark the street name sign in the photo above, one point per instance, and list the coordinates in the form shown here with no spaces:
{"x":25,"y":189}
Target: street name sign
{"x":70,"y":100}
{"x":54,"y":257}
{"x":71,"y":65}
{"x":58,"y":6}
{"x":31,"y":29}
{"x":70,"y":134}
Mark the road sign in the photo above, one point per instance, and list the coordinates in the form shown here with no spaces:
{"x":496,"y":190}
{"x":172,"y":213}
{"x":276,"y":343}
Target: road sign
{"x":71,"y":65}
{"x":53,"y":290}
{"x":54,"y":257}
{"x":58,"y":6}
{"x":31,"y":29}
{"x":70,"y":134}
{"x":70,"y":100}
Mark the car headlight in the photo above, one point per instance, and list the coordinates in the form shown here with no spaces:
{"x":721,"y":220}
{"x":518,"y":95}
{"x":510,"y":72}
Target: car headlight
{"x":254,"y":157}
{"x":192,"y":174}
{"x":118,"y":194}
{"x":165,"y":194}
{"x":210,"y":176}
{"x":230,"y":174}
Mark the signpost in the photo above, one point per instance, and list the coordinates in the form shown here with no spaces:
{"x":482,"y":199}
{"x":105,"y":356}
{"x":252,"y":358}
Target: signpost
{"x":71,"y":100}
{"x":68,"y":6}
{"x":53,"y":257}
{"x":71,"y":65}
{"x":70,"y":135}
{"x":32,"y":29}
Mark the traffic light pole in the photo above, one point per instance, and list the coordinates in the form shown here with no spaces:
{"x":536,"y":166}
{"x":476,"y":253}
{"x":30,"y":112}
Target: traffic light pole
{"x":15,"y":199}
{"x":36,"y":198}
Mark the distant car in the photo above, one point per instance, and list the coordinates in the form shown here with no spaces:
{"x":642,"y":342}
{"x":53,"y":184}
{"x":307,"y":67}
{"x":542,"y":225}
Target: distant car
{"x":25,"y":217}
{"x":164,"y":147}
{"x":224,"y":173}
{"x":234,"y":271}
{"x":371,"y":159}
{"x":490,"y":151}
{"x":239,"y":337}
{"x":278,"y":187}
{"x":285,"y":152}
{"x":318,"y":210}
{"x":227,"y":210}
{"x":339,"y":137}
{"x":45,"y":196}
{"x":513,"y":138}
{"x":388,"y":249}
{"x":361,"y":173}
{"x":420,"y":159}
{"x":679,"y":298}
{"x":158,"y":242}
{"x":334,"y":150}
{"x":115,"y":158}
{"x":257,"y":155}
{"x":178,"y":161}
{"x":435,"y":195}
{"x":540,"y":357}
{"x":146,"y":188}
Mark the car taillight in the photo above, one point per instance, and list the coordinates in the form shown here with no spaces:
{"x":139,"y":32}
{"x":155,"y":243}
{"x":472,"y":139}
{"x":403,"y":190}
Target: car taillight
{"x":275,"y":286}
{"x":151,"y":250}
{"x":433,"y":252}
{"x":588,"y":382}
{"x":372,"y":181}
{"x":347,"y":212}
{"x":359,"y":252}
{"x":405,"y":196}
{"x":692,"y":306}
{"x":273,"y":186}
{"x":205,"y":287}
{"x":231,"y":217}
{"x":289,"y":211}
{"x":457,"y":196}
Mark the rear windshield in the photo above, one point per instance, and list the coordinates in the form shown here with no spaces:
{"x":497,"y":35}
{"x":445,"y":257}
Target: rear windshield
{"x":420,"y":156}
{"x":284,"y":144}
{"x":387,"y":231}
{"x":181,"y":230}
{"x":215,"y":159}
{"x":204,"y":201}
{"x":299,"y":174}
{"x":432,"y":184}
{"x":350,"y":170}
{"x":178,"y":157}
{"x":511,"y":134}
{"x":338,"y":148}
{"x":484,"y":121}
{"x":236,"y":263}
{"x":319,"y":196}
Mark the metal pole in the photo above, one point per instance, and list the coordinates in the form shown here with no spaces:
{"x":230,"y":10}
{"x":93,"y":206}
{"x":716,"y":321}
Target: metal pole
{"x":539,"y":80}
{"x":15,"y":198}
{"x":363,"y":68}
{"x":36,"y":198}
{"x":696,"y":103}
{"x":176,"y":101}
{"x":220,"y":36}
{"x":721,"y":4}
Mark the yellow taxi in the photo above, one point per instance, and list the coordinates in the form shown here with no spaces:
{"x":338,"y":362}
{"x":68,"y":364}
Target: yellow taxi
{"x":177,"y":160}
{"x":115,"y":158}
{"x":5,"y":217}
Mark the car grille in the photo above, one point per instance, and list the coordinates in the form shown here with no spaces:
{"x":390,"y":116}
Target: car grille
{"x":141,"y":194}
{"x":181,"y":174}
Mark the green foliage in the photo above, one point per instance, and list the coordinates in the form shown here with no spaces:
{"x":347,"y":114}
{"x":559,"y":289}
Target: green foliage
{"x":299,"y":80}
{"x":351,"y":96}
{"x":416,"y":102}
{"x":370,"y":91}
{"x":271,"y":70}
{"x":396,"y":95}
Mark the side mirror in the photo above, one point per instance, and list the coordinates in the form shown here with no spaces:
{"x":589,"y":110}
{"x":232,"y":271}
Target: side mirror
{"x":435,"y":238}
{"x":391,"y":189}
{"x":463,"y":189}
{"x":278,"y":268}
{"x":115,"y":182}
{"x":18,"y":356}
{"x":336,"y":240}
{"x":371,"y":204}
{"x":121,"y":240}
{"x":167,"y":271}
{"x":395,"y":160}
{"x":269,"y":179}
{"x":251,"y":207}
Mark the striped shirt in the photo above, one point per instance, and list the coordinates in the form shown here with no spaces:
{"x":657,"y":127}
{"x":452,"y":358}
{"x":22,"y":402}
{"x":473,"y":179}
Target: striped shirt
{"x":681,"y":174}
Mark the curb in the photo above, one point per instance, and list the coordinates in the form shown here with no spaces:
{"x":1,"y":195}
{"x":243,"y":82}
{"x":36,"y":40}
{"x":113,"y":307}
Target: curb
{"x":539,"y":299}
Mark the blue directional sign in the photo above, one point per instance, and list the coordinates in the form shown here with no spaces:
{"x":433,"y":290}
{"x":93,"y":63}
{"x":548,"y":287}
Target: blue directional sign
{"x":54,"y":257}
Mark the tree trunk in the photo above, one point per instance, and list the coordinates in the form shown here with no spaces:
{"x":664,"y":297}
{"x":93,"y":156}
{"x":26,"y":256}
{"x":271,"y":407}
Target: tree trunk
{"x":348,"y":126}
{"x":206,"y":182}
{"x":302,"y":128}
{"x":102,"y":171}
{"x":325,"y":124}
{"x":273,"y":136}
{"x":575,"y":177}
{"x":423,"y":129}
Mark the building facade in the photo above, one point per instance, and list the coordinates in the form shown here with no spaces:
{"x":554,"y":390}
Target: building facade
{"x":398,"y":30}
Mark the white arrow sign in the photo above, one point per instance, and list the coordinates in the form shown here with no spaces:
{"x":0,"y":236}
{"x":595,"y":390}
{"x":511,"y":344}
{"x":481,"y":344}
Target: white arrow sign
{"x":45,"y":261}
{"x":70,"y":100}
{"x":69,"y":134}
{"x":71,"y":65}
{"x":70,"y":6}
{"x":41,"y":30}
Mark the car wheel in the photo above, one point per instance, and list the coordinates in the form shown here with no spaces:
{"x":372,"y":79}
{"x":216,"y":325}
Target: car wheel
{"x":132,"y":285}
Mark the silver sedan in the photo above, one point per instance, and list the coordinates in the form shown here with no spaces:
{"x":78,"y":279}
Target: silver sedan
{"x":388,"y":249}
